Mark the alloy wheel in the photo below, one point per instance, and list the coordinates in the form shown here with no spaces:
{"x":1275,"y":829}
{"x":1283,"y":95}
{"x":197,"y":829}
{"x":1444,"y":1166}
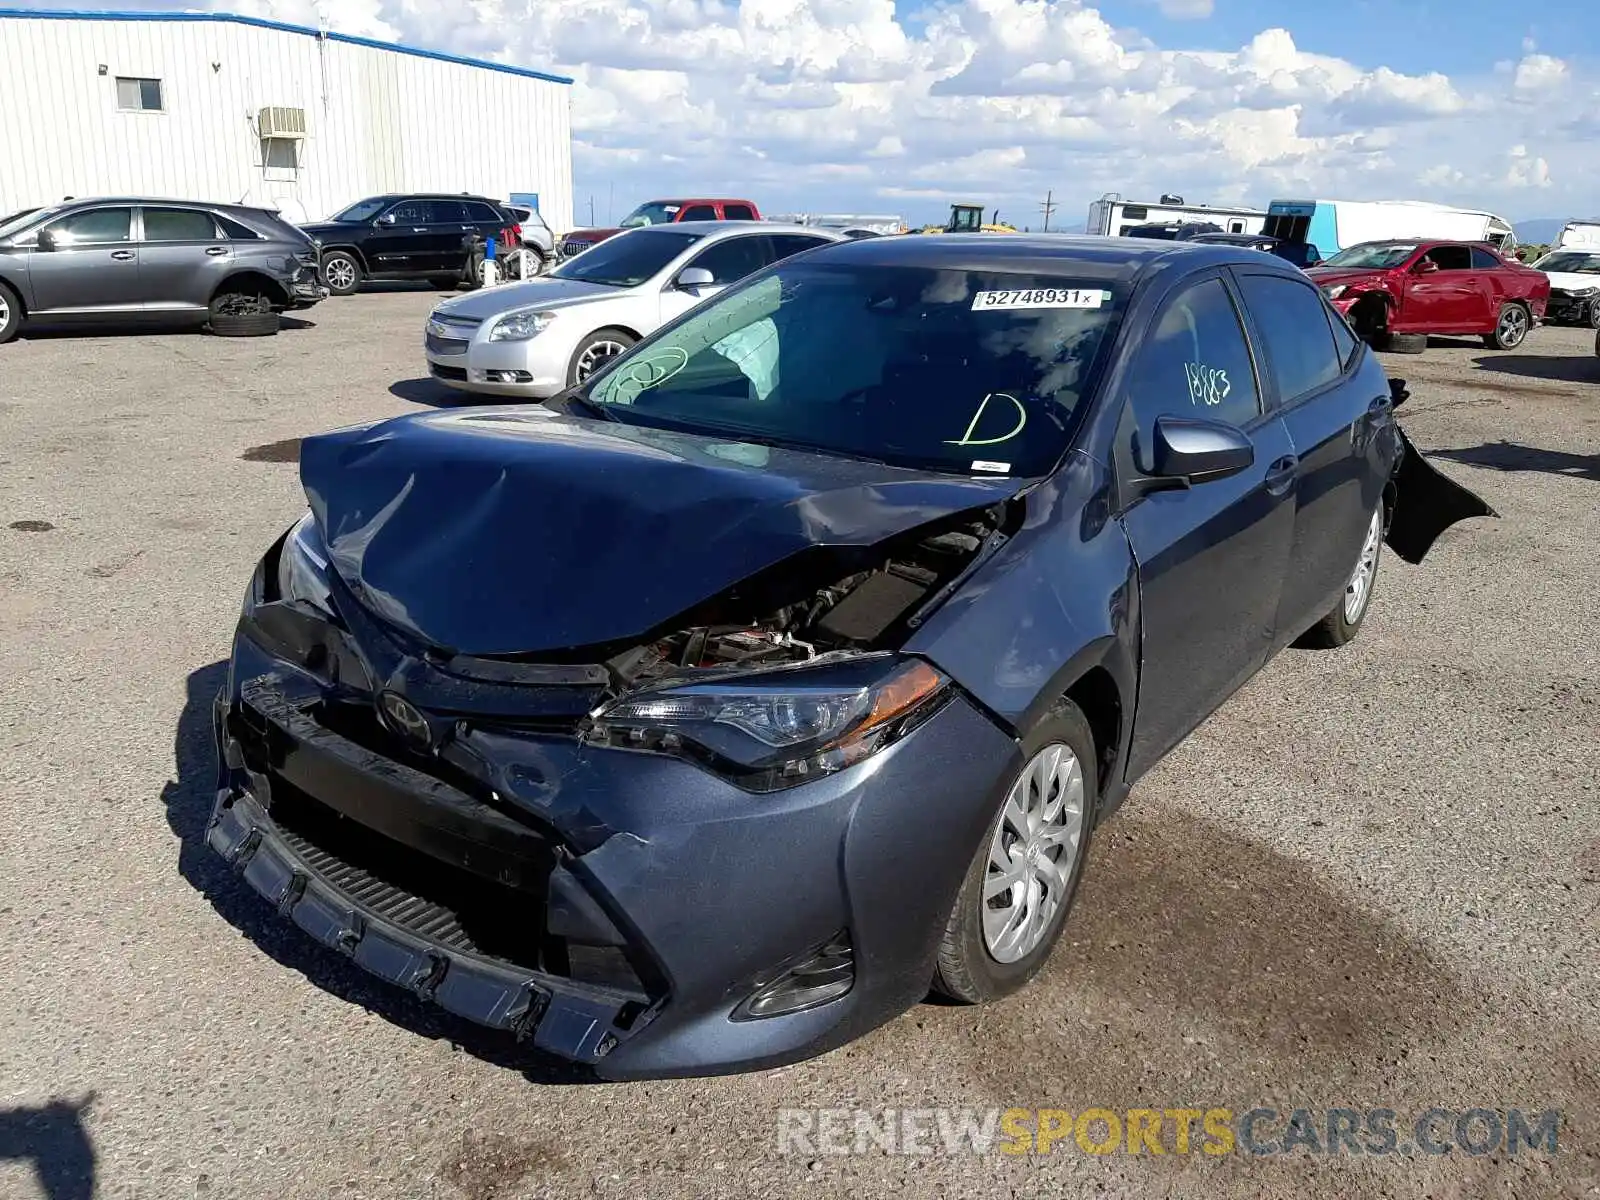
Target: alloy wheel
{"x":596,"y":356}
{"x":339,"y":274}
{"x":1358,"y":593}
{"x":1033,"y":854}
{"x":5,"y":310}
{"x":1513,"y":326}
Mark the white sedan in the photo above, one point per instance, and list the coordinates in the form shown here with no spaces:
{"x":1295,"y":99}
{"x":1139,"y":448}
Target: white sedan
{"x":538,"y":338}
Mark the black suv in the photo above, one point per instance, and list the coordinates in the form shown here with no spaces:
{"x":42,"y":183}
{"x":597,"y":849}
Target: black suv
{"x":407,"y":237}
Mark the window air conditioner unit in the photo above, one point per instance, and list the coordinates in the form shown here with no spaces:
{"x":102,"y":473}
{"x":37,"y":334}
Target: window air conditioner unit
{"x":282,"y":123}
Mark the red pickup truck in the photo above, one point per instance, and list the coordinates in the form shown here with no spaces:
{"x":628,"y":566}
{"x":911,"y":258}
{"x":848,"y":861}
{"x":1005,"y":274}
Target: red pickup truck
{"x":1395,"y":293}
{"x":663,"y":212}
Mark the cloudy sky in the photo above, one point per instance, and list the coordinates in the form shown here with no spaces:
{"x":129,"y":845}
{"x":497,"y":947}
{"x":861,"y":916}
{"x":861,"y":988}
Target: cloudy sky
{"x":886,"y":106}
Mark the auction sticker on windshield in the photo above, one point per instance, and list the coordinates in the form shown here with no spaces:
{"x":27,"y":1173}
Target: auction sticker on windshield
{"x":1040,"y":298}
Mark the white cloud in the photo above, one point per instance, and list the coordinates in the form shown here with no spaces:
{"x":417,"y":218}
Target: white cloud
{"x":1186,"y":10}
{"x":844,"y":103}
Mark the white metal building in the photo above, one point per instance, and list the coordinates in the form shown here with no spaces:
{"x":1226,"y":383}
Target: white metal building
{"x":210,"y":106}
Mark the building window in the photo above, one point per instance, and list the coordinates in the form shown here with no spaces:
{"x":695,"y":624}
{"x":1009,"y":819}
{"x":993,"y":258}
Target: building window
{"x":280,"y":154}
{"x":138,"y":95}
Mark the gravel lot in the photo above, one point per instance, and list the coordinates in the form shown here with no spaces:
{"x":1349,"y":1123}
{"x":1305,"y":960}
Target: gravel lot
{"x":1372,"y":880}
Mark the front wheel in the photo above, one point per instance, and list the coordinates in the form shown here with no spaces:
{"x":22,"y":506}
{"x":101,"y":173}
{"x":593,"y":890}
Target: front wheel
{"x":10,"y":315}
{"x":1511,"y":330}
{"x":1344,"y":622}
{"x":594,"y":352}
{"x":1591,"y":315}
{"x":1024,"y":876}
{"x":341,"y":272}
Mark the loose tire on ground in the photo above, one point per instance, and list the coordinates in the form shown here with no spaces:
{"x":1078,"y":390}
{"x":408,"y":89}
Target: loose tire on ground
{"x":238,"y":315}
{"x":599,"y":348}
{"x":967,"y":970}
{"x":341,"y":272}
{"x":10,"y":314}
{"x":1405,"y":343}
{"x":1511,"y":327}
{"x":1341,"y":625}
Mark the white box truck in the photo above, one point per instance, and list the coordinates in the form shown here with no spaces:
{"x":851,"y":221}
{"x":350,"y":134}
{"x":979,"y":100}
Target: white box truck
{"x":1335,"y":225}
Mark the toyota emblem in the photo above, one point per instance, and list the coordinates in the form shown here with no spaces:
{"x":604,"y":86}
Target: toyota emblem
{"x":400,"y":715}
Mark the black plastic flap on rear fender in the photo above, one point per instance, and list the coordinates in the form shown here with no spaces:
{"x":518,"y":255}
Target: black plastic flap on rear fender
{"x":1427,"y":502}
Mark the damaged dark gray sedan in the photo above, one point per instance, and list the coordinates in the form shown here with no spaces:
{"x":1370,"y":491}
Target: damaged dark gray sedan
{"x":709,"y":714}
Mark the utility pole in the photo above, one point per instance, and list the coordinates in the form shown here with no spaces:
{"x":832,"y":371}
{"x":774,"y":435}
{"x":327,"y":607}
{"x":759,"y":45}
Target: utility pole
{"x":1048,"y":207}
{"x":591,"y":210}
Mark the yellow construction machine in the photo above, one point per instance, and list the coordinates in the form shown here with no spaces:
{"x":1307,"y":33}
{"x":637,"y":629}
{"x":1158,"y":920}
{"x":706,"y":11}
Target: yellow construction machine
{"x":968,"y":218}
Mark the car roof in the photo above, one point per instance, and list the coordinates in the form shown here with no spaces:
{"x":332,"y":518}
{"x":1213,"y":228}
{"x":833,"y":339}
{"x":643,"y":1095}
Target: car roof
{"x":1110,"y":260}
{"x":721,"y":229}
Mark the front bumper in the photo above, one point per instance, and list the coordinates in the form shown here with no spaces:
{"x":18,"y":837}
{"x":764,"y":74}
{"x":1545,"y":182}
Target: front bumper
{"x":1564,"y":308}
{"x":709,"y":890}
{"x":515,"y":369}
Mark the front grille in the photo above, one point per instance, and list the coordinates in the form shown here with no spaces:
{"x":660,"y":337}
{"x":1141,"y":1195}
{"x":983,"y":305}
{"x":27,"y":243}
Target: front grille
{"x":456,"y":373}
{"x":442,"y":345}
{"x":571,"y":247}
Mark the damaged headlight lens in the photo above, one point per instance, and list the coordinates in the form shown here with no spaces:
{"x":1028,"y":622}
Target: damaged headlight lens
{"x":520,"y":326}
{"x":1334,"y":292}
{"x":774,"y":730}
{"x":303,"y":567}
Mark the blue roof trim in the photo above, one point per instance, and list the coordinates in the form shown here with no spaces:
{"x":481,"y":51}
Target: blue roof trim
{"x":66,"y":14}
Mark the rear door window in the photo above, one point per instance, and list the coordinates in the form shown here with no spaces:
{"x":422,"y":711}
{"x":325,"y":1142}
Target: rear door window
{"x":739,"y":212}
{"x":785,"y":244}
{"x":699,"y":212}
{"x":179,"y":225}
{"x":445,"y":212}
{"x":1299,"y":343}
{"x":483,"y":214}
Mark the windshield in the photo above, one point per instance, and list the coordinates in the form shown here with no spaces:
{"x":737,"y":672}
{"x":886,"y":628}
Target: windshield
{"x":628,"y":259}
{"x":1377,"y":255}
{"x":1571,"y":262}
{"x":959,"y":371}
{"x":362,"y":210}
{"x":9,"y":223}
{"x":657,"y":212}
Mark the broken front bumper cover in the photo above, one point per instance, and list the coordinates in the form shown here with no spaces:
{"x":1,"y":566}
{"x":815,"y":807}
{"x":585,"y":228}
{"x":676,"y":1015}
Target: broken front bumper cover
{"x":556,"y":1015}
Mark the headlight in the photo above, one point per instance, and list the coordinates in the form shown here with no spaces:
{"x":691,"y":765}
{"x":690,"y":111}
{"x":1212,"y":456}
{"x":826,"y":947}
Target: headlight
{"x":1584,"y":293}
{"x":1337,"y":290}
{"x":303,"y":567}
{"x":520,"y":326}
{"x":779,"y":728}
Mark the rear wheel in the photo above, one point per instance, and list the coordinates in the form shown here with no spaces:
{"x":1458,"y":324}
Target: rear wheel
{"x":1024,"y":876}
{"x":595,"y":351}
{"x":10,"y":314}
{"x":1344,"y":622}
{"x":1511,"y":330}
{"x":1591,"y":315}
{"x":242,"y":314}
{"x":341,"y":272}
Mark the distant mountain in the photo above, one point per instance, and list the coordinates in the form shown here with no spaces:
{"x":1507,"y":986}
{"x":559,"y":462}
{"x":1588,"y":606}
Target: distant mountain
{"x":1542,"y":232}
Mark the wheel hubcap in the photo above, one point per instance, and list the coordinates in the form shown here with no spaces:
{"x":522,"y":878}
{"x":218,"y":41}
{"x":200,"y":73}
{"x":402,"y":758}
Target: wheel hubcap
{"x":340,"y":274}
{"x":1033,"y":854}
{"x":1513,"y":326}
{"x":596,"y":356}
{"x":1359,"y":590}
{"x":5,"y":312}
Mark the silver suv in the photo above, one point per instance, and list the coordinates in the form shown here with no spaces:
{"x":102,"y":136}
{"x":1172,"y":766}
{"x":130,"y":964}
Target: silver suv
{"x":127,"y":259}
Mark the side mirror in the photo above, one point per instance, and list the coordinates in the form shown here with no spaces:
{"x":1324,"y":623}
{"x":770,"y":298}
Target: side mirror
{"x":1426,"y":267}
{"x":1198,"y":451}
{"x":386,"y":219}
{"x":693,"y":278}
{"x":47,"y":240}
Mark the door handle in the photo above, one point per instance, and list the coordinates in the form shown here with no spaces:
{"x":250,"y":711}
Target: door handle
{"x":1281,"y":474}
{"x":216,"y":251}
{"x":123,"y":255}
{"x":419,"y":229}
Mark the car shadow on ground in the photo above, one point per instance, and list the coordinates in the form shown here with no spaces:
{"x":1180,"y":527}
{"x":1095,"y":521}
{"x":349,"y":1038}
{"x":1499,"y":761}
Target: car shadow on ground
{"x":1509,"y":456}
{"x":189,"y":798}
{"x":432,"y":393}
{"x":1583,"y":368}
{"x":49,"y":332}
{"x":54,"y":1139}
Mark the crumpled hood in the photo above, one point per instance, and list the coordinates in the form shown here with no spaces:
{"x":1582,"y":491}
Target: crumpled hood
{"x":1572,"y":281}
{"x":554,"y":293}
{"x":518,"y":531}
{"x":1329,"y":276}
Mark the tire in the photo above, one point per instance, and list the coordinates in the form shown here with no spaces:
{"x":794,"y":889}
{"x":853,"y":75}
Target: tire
{"x":969,"y":969}
{"x":1405,"y":343}
{"x":341,"y":265}
{"x":445,"y":283}
{"x":591,"y":355}
{"x":238,"y":314}
{"x":1341,"y":625}
{"x":1369,"y":320}
{"x":1591,"y":315}
{"x":10,"y":315}
{"x":1511,"y":327}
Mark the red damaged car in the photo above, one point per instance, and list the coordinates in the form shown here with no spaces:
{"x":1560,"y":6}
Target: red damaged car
{"x":1395,"y":293}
